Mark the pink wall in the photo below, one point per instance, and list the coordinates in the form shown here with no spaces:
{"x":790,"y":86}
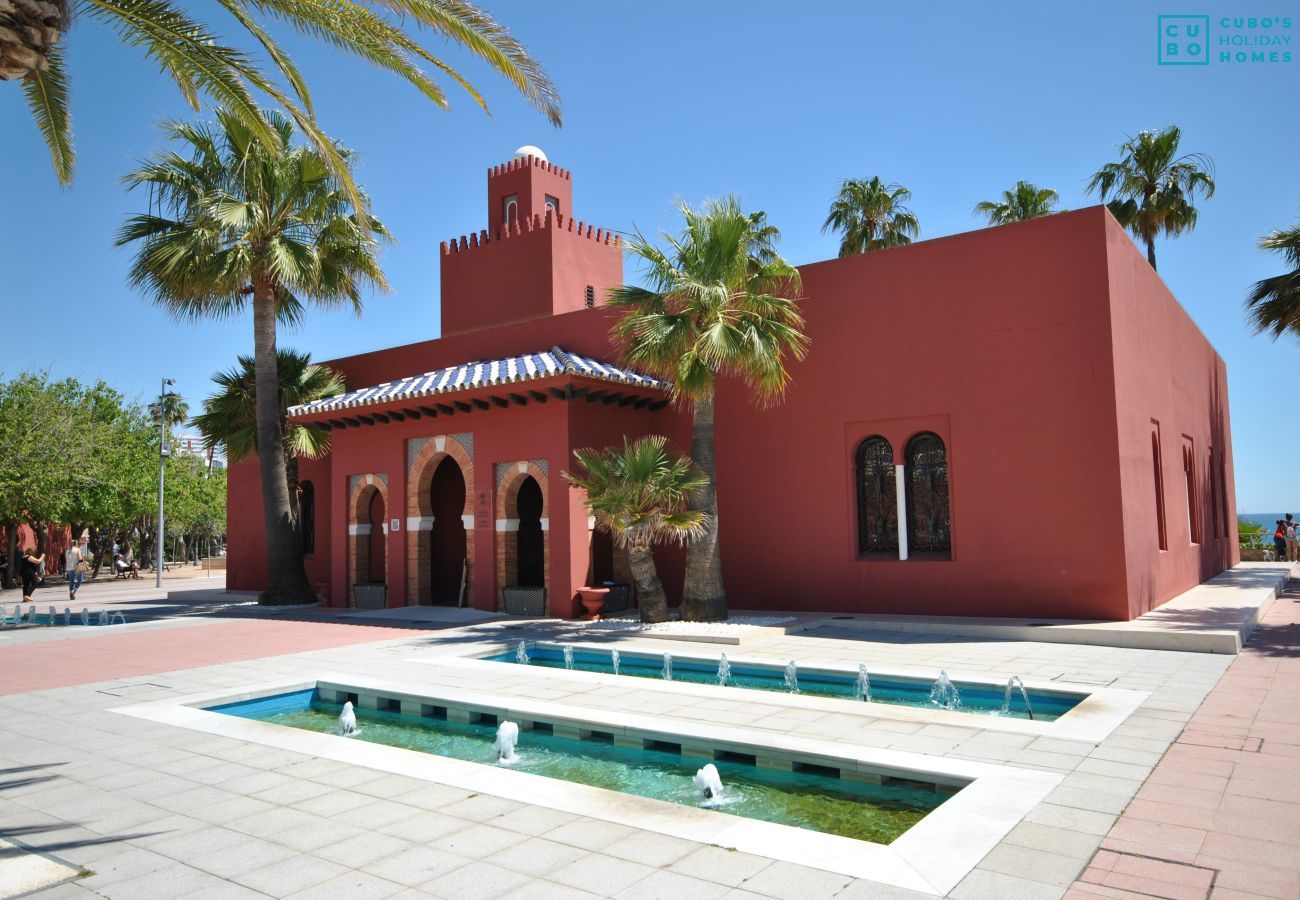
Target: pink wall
{"x":1039,"y":352}
{"x":1167,"y":373}
{"x":997,"y":340}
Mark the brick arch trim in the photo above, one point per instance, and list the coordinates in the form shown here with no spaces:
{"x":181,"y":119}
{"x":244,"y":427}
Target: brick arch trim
{"x":360,"y":489}
{"x":425,"y":455}
{"x":510,"y":477}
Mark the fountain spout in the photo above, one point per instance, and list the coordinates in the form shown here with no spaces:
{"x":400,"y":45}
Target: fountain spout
{"x":613,"y":658}
{"x":53,"y":613}
{"x":862,"y":688}
{"x":792,"y":677}
{"x":67,"y":615}
{"x":709,"y":782}
{"x":507,"y":738}
{"x":521,"y":654}
{"x":1015,"y":684}
{"x":85,"y":616}
{"x":568,"y":656}
{"x":668,"y":667}
{"x":724,"y":670}
{"x":347,"y":720}
{"x":944,"y":693}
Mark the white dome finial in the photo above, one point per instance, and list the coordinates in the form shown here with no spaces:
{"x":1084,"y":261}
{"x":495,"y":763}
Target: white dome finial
{"x":529,"y":150}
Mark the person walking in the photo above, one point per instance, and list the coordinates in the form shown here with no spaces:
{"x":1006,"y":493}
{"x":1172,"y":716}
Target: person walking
{"x":1291,"y":554}
{"x":1279,"y":539}
{"x":77,"y":565}
{"x":31,"y":572}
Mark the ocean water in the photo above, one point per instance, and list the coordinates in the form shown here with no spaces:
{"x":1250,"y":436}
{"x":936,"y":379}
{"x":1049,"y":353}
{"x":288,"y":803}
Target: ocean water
{"x":1267,"y":520}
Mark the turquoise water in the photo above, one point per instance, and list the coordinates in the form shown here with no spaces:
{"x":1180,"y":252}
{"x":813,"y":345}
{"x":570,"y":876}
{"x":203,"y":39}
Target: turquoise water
{"x":975,"y":698}
{"x":812,"y":800}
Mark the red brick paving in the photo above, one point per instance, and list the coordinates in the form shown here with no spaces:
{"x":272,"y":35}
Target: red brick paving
{"x":1219,"y":817}
{"x":42,"y":665}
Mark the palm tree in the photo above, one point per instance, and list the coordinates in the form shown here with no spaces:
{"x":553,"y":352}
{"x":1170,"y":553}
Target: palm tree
{"x":870,"y":216}
{"x":237,"y":225}
{"x":720,"y":302}
{"x":1154,"y":188}
{"x":229,"y":417}
{"x":639,"y":495}
{"x":1274,"y":303}
{"x":1024,"y":201}
{"x":171,"y":408}
{"x":202,"y":64}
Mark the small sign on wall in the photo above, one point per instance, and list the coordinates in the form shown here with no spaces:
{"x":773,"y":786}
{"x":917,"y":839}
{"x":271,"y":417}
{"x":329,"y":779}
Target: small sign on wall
{"x":395,"y":525}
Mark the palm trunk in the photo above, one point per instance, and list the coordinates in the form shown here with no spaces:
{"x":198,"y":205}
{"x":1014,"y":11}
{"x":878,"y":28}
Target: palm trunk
{"x":1151,"y":253}
{"x":649,"y":589}
{"x":286,"y":579}
{"x":703,"y":596}
{"x":291,"y":480}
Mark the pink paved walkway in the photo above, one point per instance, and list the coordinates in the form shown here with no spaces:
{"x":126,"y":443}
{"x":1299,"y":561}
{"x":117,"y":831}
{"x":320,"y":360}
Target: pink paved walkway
{"x":41,"y":665}
{"x":1220,"y":815}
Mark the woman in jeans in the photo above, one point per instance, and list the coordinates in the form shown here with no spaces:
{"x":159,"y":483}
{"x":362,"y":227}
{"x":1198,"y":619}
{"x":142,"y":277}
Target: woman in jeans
{"x":75,"y":564}
{"x":1279,"y":540}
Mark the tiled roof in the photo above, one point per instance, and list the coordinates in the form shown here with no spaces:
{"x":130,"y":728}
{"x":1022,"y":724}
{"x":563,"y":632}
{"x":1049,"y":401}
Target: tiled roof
{"x":466,"y":376}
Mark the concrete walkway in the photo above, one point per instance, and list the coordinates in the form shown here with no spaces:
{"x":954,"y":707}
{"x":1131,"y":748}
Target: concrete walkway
{"x":1219,"y":816}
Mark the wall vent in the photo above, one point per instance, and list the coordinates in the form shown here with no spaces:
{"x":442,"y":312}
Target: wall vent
{"x":591,"y":296}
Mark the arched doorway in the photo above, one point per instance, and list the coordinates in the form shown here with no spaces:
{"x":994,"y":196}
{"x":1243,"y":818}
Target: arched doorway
{"x":531,"y":557}
{"x":378,"y":556}
{"x":447,"y":538}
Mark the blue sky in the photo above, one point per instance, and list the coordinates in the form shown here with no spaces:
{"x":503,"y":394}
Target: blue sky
{"x":774,"y":101}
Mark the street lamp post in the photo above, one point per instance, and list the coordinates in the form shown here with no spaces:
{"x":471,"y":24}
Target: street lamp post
{"x":163,"y":453}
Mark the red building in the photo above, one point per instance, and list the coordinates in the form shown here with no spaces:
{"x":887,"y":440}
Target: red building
{"x":1017,"y":421}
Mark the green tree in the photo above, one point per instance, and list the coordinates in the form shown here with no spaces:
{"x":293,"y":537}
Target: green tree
{"x":870,"y":215}
{"x":639,"y":496}
{"x":1152,"y":188}
{"x":1273,"y":304}
{"x":229,"y":416}
{"x":720,"y":303}
{"x":239,"y":226}
{"x":1024,"y":201}
{"x":72,"y":454}
{"x":189,"y":50}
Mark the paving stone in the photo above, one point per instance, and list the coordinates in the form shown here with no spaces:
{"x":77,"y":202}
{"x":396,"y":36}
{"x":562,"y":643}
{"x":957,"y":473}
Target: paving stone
{"x":787,"y":881}
{"x":416,"y":865}
{"x":983,"y":884}
{"x":729,"y":867}
{"x":475,"y":880}
{"x":670,"y":884}
{"x":351,"y":886}
{"x":289,"y":876}
{"x":601,"y":874}
{"x":536,"y":856}
{"x":1034,"y":865}
{"x":651,"y":849}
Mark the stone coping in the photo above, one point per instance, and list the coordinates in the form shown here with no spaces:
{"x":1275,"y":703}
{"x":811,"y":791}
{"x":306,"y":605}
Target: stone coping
{"x":933,"y":856}
{"x":1217,"y":616}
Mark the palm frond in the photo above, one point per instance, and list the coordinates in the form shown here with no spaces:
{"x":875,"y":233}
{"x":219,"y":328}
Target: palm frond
{"x":47,"y":98}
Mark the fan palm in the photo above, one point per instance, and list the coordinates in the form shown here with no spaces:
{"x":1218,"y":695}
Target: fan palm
{"x":1274,"y":303}
{"x":720,"y":302}
{"x":229,"y":416}
{"x":242,"y":225}
{"x":870,"y":216}
{"x":1154,"y":188}
{"x":1024,"y":201}
{"x":639,"y":496}
{"x":384,"y":32}
{"x":172,"y":408}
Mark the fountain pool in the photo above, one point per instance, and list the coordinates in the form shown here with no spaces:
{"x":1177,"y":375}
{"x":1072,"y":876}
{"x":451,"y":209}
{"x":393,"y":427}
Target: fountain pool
{"x":813,"y":797}
{"x":985,"y":699}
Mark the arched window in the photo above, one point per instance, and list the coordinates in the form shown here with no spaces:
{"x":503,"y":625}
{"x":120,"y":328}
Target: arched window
{"x":877,"y":498}
{"x":307,"y":516}
{"x":1161,"y":534}
{"x":929,"y":522}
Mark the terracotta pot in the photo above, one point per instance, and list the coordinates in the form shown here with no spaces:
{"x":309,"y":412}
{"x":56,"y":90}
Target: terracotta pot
{"x":593,"y":598}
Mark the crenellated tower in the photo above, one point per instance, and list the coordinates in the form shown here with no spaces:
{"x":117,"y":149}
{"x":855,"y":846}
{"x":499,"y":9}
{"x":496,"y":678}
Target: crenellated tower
{"x":534,"y":259}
